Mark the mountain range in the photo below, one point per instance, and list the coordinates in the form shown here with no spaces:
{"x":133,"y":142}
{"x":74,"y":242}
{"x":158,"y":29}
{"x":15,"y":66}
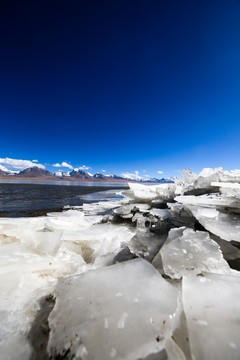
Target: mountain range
{"x":36,"y":172}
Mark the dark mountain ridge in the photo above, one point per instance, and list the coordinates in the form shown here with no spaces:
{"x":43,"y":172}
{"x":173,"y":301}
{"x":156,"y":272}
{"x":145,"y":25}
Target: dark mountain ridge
{"x":35,"y":172}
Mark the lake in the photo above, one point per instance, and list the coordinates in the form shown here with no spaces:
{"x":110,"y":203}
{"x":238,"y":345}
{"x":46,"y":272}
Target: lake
{"x":37,"y":198}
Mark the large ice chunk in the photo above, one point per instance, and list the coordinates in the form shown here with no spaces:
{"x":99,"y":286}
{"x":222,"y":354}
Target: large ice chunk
{"x":143,"y":192}
{"x":148,"y":193}
{"x":212,"y":308}
{"x":229,"y":189}
{"x":71,"y":218}
{"x":221,"y":223}
{"x":99,"y":239}
{"x":123,"y":311}
{"x":44,"y":241}
{"x":188,"y":251}
{"x":197,"y":184}
{"x":209,"y":200}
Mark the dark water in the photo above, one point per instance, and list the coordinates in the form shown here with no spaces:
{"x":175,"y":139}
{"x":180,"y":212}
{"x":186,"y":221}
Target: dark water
{"x":36,"y":199}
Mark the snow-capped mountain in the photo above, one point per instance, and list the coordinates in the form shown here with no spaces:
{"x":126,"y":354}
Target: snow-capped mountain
{"x":79,"y":174}
{"x":34,"y":172}
{"x":61,"y":173}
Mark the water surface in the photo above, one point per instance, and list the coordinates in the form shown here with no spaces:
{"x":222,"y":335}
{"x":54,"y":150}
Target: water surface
{"x":31,"y":198}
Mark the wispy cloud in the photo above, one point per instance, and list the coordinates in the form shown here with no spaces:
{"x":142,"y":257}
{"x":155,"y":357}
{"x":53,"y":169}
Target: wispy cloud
{"x":19,"y":163}
{"x":35,"y":161}
{"x":3,"y":168}
{"x":160,"y":172}
{"x":103,"y":171}
{"x":84,"y":167}
{"x":63,"y":164}
{"x":132,"y":176}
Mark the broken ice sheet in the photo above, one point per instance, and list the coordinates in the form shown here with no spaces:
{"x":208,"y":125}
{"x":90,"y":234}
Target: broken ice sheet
{"x":146,"y":244}
{"x":212,"y":308}
{"x":99,"y":239}
{"x":228,"y":189}
{"x":221,"y":223}
{"x":192,"y":251}
{"x":197,"y":184}
{"x":71,"y":218}
{"x":127,"y":209}
{"x":209,"y":200}
{"x":121,"y":311}
{"x":148,"y":193}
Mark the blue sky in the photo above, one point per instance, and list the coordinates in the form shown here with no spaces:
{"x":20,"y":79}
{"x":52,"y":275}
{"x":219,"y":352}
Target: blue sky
{"x":121,"y":85}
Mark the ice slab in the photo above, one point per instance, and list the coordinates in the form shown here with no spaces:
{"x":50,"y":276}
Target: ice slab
{"x":143,"y":192}
{"x":71,"y":218}
{"x":146,"y":244}
{"x":99,"y":240}
{"x":123,"y":311}
{"x":227,"y":185}
{"x":191,"y":182}
{"x":152,"y":192}
{"x":210,"y":200}
{"x":162,"y":214}
{"x":221,"y":223}
{"x":44,"y":241}
{"x":212,"y":308}
{"x":15,"y":347}
{"x":229,"y":189}
{"x":127,"y":209}
{"x":188,"y":251}
{"x":100,"y":207}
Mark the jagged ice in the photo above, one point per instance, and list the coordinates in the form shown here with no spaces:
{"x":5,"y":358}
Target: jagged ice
{"x":154,"y":275}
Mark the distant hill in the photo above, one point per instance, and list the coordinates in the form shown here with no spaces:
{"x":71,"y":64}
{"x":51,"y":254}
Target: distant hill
{"x":35,"y":172}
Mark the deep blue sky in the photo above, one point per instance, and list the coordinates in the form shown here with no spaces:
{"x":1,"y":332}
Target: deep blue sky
{"x":121,"y":85}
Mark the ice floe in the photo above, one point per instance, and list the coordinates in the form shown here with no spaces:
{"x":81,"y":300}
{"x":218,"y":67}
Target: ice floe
{"x":212,"y":308}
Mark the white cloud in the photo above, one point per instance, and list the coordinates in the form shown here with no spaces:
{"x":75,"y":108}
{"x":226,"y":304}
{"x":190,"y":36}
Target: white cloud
{"x":63,"y":164}
{"x":66,"y":165}
{"x":3,"y":168}
{"x":35,"y":161}
{"x":103,"y":171}
{"x":160,"y":172}
{"x":132,"y":176}
{"x":83,"y":167}
{"x":19,"y":164}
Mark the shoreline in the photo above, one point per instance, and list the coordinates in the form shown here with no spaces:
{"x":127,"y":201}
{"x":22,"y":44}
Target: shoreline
{"x":65,"y":179}
{"x":14,"y":178}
